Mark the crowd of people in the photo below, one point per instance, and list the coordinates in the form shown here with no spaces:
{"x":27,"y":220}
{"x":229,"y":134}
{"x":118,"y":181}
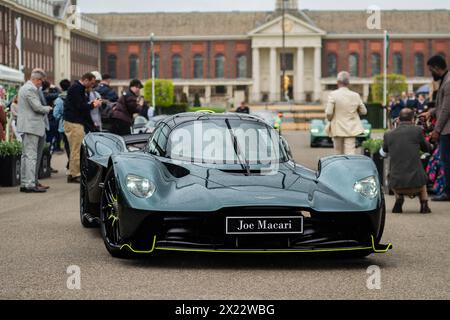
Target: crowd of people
{"x":42,"y":113}
{"x":420,"y":125}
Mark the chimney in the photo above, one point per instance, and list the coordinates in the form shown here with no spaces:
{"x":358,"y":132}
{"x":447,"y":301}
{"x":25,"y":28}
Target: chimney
{"x":289,"y":5}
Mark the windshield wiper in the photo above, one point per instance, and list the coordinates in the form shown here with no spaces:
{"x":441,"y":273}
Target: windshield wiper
{"x":237,"y":150}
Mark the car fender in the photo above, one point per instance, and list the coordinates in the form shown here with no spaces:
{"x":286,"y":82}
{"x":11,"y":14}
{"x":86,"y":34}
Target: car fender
{"x":336,"y":179}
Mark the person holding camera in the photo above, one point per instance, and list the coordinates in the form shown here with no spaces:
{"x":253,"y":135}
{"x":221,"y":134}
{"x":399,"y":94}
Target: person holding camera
{"x":77,"y":119}
{"x":407,"y":175}
{"x":129,"y":104}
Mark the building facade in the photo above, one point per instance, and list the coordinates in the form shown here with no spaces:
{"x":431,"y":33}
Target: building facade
{"x":228,"y":56}
{"x":49,"y":39}
{"x":240,"y":55}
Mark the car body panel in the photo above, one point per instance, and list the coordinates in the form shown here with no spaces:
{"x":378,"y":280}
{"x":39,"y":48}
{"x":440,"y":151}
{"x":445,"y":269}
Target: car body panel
{"x":212,"y":192}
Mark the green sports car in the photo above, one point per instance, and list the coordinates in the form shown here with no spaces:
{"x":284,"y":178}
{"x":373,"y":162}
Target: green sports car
{"x":225,"y":183}
{"x":319,"y":137}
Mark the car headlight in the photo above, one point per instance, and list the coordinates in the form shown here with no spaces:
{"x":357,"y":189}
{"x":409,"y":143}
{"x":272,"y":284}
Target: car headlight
{"x":367,"y":187}
{"x":367,"y":131}
{"x":140,"y":187}
{"x":315,"y":130}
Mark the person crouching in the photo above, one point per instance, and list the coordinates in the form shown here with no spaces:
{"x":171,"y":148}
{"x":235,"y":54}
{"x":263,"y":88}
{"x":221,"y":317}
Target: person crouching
{"x":407,"y":174}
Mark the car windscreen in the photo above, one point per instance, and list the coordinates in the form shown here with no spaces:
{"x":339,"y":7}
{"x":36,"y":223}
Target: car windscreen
{"x":226,"y":141}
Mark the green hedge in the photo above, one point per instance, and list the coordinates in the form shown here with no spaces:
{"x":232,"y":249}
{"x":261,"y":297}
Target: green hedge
{"x":163,"y":92}
{"x":13,"y":148}
{"x":373,"y":145}
{"x":375,"y":115}
{"x":173,"y":109}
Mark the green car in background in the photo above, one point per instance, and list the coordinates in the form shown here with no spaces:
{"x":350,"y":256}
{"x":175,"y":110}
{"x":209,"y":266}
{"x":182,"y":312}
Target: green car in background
{"x":319,"y":138}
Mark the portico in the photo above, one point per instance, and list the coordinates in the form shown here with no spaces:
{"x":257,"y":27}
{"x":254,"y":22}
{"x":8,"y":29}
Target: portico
{"x":303,"y":48}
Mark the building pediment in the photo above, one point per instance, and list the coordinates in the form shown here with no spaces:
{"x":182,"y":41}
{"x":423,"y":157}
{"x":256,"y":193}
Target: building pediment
{"x":293,"y":26}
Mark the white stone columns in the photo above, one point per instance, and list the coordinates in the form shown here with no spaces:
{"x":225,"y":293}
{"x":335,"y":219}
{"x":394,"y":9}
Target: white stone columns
{"x":61,"y":62}
{"x":366,"y":92}
{"x":186,"y":90}
{"x":208,"y":94}
{"x":273,"y":75}
{"x":299,"y":94}
{"x":317,"y":72}
{"x":256,"y":76}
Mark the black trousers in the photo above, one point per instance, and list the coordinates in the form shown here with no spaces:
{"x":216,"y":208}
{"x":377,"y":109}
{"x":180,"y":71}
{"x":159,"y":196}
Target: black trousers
{"x":120,"y":127}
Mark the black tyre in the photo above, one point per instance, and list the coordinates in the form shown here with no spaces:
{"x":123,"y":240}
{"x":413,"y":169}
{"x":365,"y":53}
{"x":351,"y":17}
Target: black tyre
{"x":109,"y":215}
{"x":85,"y":206}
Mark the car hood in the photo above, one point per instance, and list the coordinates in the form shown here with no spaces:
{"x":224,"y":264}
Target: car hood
{"x":210,"y":188}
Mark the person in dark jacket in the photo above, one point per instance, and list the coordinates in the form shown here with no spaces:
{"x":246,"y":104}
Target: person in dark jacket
{"x":407,"y":175}
{"x":3,"y":122}
{"x":243,"y":108}
{"x":77,"y":118}
{"x":129,"y":104}
{"x":396,"y":106}
{"x":105,"y":90}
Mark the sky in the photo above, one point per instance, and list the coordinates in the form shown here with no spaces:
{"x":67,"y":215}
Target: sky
{"x":251,"y":5}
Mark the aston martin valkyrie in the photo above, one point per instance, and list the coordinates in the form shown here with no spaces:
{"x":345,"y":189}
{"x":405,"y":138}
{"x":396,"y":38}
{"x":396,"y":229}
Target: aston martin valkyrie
{"x":225,"y":183}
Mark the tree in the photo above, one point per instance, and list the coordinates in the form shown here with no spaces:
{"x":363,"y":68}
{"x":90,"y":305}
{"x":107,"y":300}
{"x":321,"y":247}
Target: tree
{"x":163,"y":92}
{"x":396,"y":84}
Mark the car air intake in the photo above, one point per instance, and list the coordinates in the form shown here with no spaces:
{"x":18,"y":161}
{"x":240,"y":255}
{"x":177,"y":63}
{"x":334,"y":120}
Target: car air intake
{"x":176,"y":171}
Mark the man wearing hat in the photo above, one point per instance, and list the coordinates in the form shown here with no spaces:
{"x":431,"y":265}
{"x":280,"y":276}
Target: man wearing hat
{"x":96,"y":115}
{"x":129,"y":104}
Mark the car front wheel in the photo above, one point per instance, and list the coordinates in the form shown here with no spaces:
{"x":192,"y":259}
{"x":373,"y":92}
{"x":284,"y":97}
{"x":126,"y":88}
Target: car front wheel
{"x":109,"y":215}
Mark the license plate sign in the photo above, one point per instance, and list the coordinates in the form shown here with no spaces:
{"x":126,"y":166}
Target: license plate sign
{"x":264,"y":225}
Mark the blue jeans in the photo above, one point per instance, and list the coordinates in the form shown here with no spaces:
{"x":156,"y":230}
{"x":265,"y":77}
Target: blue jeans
{"x":445,"y":158}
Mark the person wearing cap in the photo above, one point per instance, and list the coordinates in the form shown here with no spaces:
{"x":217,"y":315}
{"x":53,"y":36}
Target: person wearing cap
{"x":96,"y":115}
{"x":129,"y":104}
{"x":105,"y":90}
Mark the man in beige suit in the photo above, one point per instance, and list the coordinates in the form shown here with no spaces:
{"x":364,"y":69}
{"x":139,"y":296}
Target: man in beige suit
{"x":343,"y":110}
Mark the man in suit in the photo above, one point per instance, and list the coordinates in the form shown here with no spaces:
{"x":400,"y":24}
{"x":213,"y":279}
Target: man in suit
{"x":343,"y":111}
{"x":407,"y":176}
{"x":439,"y":70}
{"x":31,"y":123}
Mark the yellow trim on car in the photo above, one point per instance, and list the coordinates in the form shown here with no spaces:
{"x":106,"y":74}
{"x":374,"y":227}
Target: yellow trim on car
{"x":375,"y":250}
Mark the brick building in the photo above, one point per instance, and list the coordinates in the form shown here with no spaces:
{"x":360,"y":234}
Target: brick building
{"x":239,"y":54}
{"x":63,"y":48}
{"x":223,"y":55}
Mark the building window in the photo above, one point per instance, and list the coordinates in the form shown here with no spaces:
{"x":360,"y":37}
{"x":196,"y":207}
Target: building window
{"x":220,"y":66}
{"x":376,"y":64}
{"x":112,"y":66}
{"x":419,"y":69}
{"x":198,"y":66}
{"x":398,"y":63}
{"x":241,"y":66}
{"x":176,"y":67}
{"x":353,"y":65}
{"x":332,"y":64}
{"x":134,"y":66}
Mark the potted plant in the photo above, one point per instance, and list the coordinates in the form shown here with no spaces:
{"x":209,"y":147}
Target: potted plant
{"x":10,"y":154}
